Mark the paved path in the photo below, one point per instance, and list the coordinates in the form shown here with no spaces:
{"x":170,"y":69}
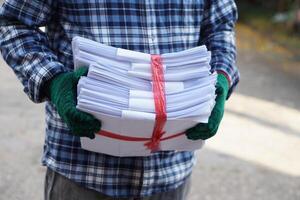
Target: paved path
{"x":255,"y":155}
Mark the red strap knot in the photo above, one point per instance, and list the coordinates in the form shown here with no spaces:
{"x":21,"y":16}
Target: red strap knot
{"x":156,"y":60}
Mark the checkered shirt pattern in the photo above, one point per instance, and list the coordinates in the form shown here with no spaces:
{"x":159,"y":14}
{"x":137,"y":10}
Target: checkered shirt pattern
{"x":150,"y":26}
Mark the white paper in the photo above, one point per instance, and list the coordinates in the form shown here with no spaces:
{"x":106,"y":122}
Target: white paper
{"x":118,"y":90}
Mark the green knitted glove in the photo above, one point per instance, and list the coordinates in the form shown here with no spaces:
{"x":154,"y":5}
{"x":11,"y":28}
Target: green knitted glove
{"x":204,"y":131}
{"x":62,"y":91}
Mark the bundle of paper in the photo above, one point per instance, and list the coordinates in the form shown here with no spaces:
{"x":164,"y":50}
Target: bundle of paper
{"x":145,"y":102}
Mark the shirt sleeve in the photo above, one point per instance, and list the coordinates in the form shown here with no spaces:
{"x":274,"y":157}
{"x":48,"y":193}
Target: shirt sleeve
{"x":217,"y":33}
{"x":25,"y":48}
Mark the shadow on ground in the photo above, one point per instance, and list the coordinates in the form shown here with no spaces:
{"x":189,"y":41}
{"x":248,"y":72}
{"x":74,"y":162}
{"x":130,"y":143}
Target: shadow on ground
{"x":219,"y":176}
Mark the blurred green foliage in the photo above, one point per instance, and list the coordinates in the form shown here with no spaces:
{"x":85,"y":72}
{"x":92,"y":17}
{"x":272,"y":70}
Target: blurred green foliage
{"x":276,"y":18}
{"x":275,"y":5}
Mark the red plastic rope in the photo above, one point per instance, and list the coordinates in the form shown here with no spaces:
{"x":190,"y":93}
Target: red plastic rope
{"x":134,"y":139}
{"x":158,"y":82}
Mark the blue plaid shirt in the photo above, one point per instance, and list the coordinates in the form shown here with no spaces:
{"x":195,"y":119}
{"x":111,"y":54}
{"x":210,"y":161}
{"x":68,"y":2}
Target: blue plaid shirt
{"x":151,"y":26}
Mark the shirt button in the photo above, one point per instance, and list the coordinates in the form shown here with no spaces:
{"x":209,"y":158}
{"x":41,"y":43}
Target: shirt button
{"x":153,"y":38}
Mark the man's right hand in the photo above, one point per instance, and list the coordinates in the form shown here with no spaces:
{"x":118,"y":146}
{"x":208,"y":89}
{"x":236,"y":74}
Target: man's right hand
{"x":62,"y":91}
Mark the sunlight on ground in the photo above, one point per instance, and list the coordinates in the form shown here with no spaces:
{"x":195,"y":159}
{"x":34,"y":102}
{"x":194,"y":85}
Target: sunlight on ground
{"x":260,"y":132}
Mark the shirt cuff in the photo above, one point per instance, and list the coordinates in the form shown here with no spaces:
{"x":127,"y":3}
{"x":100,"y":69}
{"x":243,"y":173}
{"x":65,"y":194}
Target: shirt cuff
{"x":226,"y":75}
{"x":231,"y":86}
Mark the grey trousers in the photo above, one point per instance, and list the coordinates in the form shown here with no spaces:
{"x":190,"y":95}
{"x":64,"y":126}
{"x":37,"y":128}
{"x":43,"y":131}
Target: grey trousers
{"x":58,"y":187}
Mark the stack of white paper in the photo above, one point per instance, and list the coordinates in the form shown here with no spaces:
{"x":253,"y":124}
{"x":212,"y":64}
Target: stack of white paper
{"x":118,"y":91}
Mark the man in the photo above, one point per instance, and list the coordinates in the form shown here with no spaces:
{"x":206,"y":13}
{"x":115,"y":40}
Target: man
{"x":43,"y":63}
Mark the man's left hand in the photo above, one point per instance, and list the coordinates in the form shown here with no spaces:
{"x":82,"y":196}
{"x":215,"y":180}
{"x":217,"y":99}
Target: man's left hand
{"x":206,"y":130}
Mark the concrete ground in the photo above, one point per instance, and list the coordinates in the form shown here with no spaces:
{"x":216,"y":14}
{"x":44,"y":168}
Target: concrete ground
{"x":255,"y":154}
